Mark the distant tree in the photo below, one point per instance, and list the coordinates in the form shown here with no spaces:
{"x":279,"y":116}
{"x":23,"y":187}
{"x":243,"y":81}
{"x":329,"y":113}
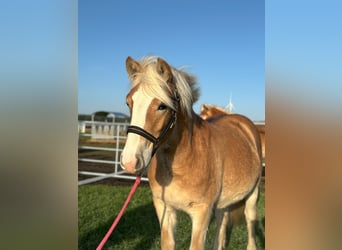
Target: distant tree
{"x":84,"y":117}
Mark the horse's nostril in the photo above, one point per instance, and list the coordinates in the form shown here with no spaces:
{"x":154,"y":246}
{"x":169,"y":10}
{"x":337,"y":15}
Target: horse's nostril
{"x":137,"y":166}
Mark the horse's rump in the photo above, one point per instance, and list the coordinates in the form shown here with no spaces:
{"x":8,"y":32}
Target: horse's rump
{"x":238,"y":142}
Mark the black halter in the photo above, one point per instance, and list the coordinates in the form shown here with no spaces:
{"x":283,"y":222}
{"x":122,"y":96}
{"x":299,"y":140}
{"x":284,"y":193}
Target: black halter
{"x":142,"y":132}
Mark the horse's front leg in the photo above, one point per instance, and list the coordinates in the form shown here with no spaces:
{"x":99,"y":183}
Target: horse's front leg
{"x":200,"y":216}
{"x":167,"y":219}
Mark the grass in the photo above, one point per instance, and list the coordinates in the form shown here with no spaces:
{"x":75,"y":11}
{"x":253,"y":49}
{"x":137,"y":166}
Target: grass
{"x":98,"y":206}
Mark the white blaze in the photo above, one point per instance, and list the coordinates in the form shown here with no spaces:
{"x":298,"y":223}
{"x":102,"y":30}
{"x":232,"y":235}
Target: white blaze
{"x":133,"y":147}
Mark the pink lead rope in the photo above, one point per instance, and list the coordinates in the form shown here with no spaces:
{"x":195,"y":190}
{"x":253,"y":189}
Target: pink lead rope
{"x":117,"y":219}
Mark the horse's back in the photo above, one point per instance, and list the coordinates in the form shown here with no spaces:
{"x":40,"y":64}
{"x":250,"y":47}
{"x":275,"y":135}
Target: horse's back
{"x":238,"y":124}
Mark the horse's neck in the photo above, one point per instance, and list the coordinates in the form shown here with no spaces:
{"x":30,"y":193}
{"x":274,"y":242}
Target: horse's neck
{"x":177,"y":149}
{"x":183,"y":133}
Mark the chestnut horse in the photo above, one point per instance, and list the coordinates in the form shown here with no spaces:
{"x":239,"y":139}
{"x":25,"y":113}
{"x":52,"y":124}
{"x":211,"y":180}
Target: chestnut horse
{"x":209,"y":110}
{"x":192,"y":164}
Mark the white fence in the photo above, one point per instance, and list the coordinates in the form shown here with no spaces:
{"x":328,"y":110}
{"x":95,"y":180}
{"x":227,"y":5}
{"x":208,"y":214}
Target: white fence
{"x":116,"y":133}
{"x":100,"y":131}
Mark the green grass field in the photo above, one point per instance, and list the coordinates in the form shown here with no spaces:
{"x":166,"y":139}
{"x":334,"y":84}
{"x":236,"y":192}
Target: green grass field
{"x":98,"y":206}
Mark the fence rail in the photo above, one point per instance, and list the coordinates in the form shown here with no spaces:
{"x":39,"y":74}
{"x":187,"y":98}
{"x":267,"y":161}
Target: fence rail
{"x":100,"y":132}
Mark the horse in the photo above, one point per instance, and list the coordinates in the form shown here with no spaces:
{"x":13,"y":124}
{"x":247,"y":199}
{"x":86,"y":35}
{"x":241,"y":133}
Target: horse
{"x":194,"y":165}
{"x":207,"y":112}
{"x":210,"y":110}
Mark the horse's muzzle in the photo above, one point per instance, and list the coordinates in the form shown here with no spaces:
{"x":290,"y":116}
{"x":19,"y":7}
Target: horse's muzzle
{"x":134,"y":166}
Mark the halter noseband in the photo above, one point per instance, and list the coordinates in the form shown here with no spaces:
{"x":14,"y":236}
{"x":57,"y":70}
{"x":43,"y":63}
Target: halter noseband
{"x":142,"y":132}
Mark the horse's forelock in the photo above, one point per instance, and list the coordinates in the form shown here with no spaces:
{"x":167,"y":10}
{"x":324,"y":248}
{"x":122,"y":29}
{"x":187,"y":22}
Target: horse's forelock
{"x":154,"y":85}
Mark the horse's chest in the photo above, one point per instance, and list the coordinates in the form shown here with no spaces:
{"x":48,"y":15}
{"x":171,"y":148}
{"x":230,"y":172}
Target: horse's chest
{"x":181,"y":189}
{"x":173,"y":196}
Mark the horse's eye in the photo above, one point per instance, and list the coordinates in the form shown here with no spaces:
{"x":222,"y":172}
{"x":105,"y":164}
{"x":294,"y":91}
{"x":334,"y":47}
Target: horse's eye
{"x":162,"y":106}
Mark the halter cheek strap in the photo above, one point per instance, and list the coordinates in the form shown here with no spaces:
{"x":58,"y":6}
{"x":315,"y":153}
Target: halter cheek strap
{"x":142,"y":132}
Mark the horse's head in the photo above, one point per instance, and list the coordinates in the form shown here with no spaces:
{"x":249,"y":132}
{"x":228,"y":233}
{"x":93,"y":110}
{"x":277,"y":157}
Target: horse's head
{"x":153,"y":103}
{"x":205,"y":111}
{"x":208,"y":110}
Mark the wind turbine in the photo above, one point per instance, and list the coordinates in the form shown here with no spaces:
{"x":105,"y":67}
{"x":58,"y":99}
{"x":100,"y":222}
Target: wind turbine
{"x":230,"y":105}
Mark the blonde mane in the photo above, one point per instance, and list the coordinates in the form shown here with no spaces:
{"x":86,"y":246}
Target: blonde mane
{"x":155,"y":86}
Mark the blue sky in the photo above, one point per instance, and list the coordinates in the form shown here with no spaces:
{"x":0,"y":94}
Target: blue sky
{"x":222,"y":43}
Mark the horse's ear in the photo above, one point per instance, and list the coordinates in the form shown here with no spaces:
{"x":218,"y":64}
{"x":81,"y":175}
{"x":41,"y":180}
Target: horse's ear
{"x":132,"y":67}
{"x":204,"y":108}
{"x":164,"y":69}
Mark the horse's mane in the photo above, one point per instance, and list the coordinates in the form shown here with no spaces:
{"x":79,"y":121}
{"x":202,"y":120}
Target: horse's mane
{"x":154,"y":85}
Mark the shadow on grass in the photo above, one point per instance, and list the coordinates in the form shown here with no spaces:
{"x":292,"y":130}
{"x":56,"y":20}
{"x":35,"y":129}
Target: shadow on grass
{"x":137,"y":229}
{"x":232,"y":242}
